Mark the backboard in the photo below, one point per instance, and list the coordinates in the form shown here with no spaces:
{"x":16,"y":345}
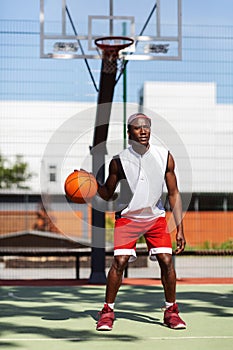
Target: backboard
{"x":68,"y":28}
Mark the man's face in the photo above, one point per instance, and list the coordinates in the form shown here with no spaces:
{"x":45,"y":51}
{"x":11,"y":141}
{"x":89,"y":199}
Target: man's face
{"x":139,"y":131}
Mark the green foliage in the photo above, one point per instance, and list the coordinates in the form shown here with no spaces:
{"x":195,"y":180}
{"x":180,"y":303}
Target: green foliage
{"x":14,"y":174}
{"x":207,"y":245}
{"x":141,"y":240}
{"x":227,"y":245}
{"x":109,"y":227}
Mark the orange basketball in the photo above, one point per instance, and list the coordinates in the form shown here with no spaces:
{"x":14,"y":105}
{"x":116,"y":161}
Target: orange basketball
{"x":80,"y":186}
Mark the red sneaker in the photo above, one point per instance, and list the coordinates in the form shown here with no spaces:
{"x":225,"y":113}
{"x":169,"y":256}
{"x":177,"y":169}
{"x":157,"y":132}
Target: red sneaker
{"x":172,"y":319}
{"x":106,"y":320}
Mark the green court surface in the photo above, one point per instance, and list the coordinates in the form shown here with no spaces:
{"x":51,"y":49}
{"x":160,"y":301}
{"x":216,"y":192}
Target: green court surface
{"x":65,"y":318}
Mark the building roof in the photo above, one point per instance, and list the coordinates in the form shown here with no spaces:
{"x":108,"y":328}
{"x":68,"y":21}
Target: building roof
{"x":39,"y":241}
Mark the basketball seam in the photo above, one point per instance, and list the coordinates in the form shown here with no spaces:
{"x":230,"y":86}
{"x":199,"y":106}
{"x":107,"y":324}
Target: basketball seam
{"x":90,"y":179}
{"x":78,"y":189}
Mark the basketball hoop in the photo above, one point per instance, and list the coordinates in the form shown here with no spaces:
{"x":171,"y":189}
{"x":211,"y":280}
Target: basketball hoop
{"x":110,"y":47}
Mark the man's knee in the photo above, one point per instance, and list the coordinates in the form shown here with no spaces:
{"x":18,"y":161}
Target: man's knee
{"x":165,"y":261}
{"x":119,"y":263}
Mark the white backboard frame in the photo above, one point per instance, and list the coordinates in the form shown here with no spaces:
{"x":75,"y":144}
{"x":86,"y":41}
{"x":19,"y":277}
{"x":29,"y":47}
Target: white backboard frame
{"x":62,"y":44}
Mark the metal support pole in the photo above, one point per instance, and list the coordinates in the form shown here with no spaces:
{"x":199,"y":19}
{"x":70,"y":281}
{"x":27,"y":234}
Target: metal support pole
{"x":77,"y":266}
{"x":98,"y":151}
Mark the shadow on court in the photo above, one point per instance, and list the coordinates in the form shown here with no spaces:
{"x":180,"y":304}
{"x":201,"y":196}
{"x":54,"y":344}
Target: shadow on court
{"x":218,"y":304}
{"x":70,"y":313}
{"x":132,"y":316}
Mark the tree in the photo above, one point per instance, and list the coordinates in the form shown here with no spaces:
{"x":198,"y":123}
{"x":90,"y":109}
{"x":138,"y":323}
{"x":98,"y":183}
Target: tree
{"x":14,"y":174}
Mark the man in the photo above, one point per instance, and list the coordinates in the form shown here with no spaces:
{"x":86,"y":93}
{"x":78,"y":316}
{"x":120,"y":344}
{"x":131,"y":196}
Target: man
{"x":145,"y":168}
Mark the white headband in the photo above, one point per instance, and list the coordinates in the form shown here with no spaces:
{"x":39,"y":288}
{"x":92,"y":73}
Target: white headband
{"x":137,"y":115}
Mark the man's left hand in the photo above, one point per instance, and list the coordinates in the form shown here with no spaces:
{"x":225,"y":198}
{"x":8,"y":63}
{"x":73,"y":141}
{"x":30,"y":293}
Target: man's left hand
{"x":180,"y":242}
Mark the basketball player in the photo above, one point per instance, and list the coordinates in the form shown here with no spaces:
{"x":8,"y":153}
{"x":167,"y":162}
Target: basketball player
{"x":143,"y":168}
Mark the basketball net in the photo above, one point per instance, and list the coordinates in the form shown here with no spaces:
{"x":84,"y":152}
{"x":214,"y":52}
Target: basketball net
{"x":110,"y":47}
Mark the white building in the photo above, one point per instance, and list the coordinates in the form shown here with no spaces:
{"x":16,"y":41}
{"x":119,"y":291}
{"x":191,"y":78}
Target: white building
{"x":55,"y":136}
{"x":205,"y":127}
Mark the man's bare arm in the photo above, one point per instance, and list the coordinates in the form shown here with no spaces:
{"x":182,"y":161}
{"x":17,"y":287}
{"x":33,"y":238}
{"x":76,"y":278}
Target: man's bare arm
{"x":107,"y":189}
{"x":175,"y":203}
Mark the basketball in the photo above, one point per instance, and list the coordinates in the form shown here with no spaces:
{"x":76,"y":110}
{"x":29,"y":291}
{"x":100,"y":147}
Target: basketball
{"x":80,"y":186}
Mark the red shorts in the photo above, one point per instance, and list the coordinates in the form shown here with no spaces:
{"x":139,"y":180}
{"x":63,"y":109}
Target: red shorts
{"x":127,"y":232}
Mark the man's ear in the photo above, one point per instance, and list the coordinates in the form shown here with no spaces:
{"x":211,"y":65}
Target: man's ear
{"x":129,"y":137}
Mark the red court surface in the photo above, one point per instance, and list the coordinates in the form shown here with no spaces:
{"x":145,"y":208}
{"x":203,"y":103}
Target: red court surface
{"x":127,"y":281}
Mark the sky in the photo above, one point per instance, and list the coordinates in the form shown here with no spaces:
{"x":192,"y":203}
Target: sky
{"x":194,"y":12}
{"x":207,"y":53}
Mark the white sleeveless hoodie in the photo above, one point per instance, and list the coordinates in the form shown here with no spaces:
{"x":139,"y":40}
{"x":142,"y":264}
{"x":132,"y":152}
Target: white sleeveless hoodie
{"x":146,"y":178}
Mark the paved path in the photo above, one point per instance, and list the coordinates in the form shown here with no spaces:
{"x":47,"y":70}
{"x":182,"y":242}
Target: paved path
{"x":186,"y":267}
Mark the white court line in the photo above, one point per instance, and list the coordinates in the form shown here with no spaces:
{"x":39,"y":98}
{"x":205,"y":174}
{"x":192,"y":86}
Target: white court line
{"x":193,"y":337}
{"x":121,"y":338}
{"x":12,"y":295}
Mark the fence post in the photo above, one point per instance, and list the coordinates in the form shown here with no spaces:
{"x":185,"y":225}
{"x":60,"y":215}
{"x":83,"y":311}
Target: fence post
{"x":77,"y":265}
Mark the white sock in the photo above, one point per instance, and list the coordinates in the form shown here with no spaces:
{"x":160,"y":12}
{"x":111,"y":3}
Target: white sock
{"x":168,"y":304}
{"x":111,"y":305}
